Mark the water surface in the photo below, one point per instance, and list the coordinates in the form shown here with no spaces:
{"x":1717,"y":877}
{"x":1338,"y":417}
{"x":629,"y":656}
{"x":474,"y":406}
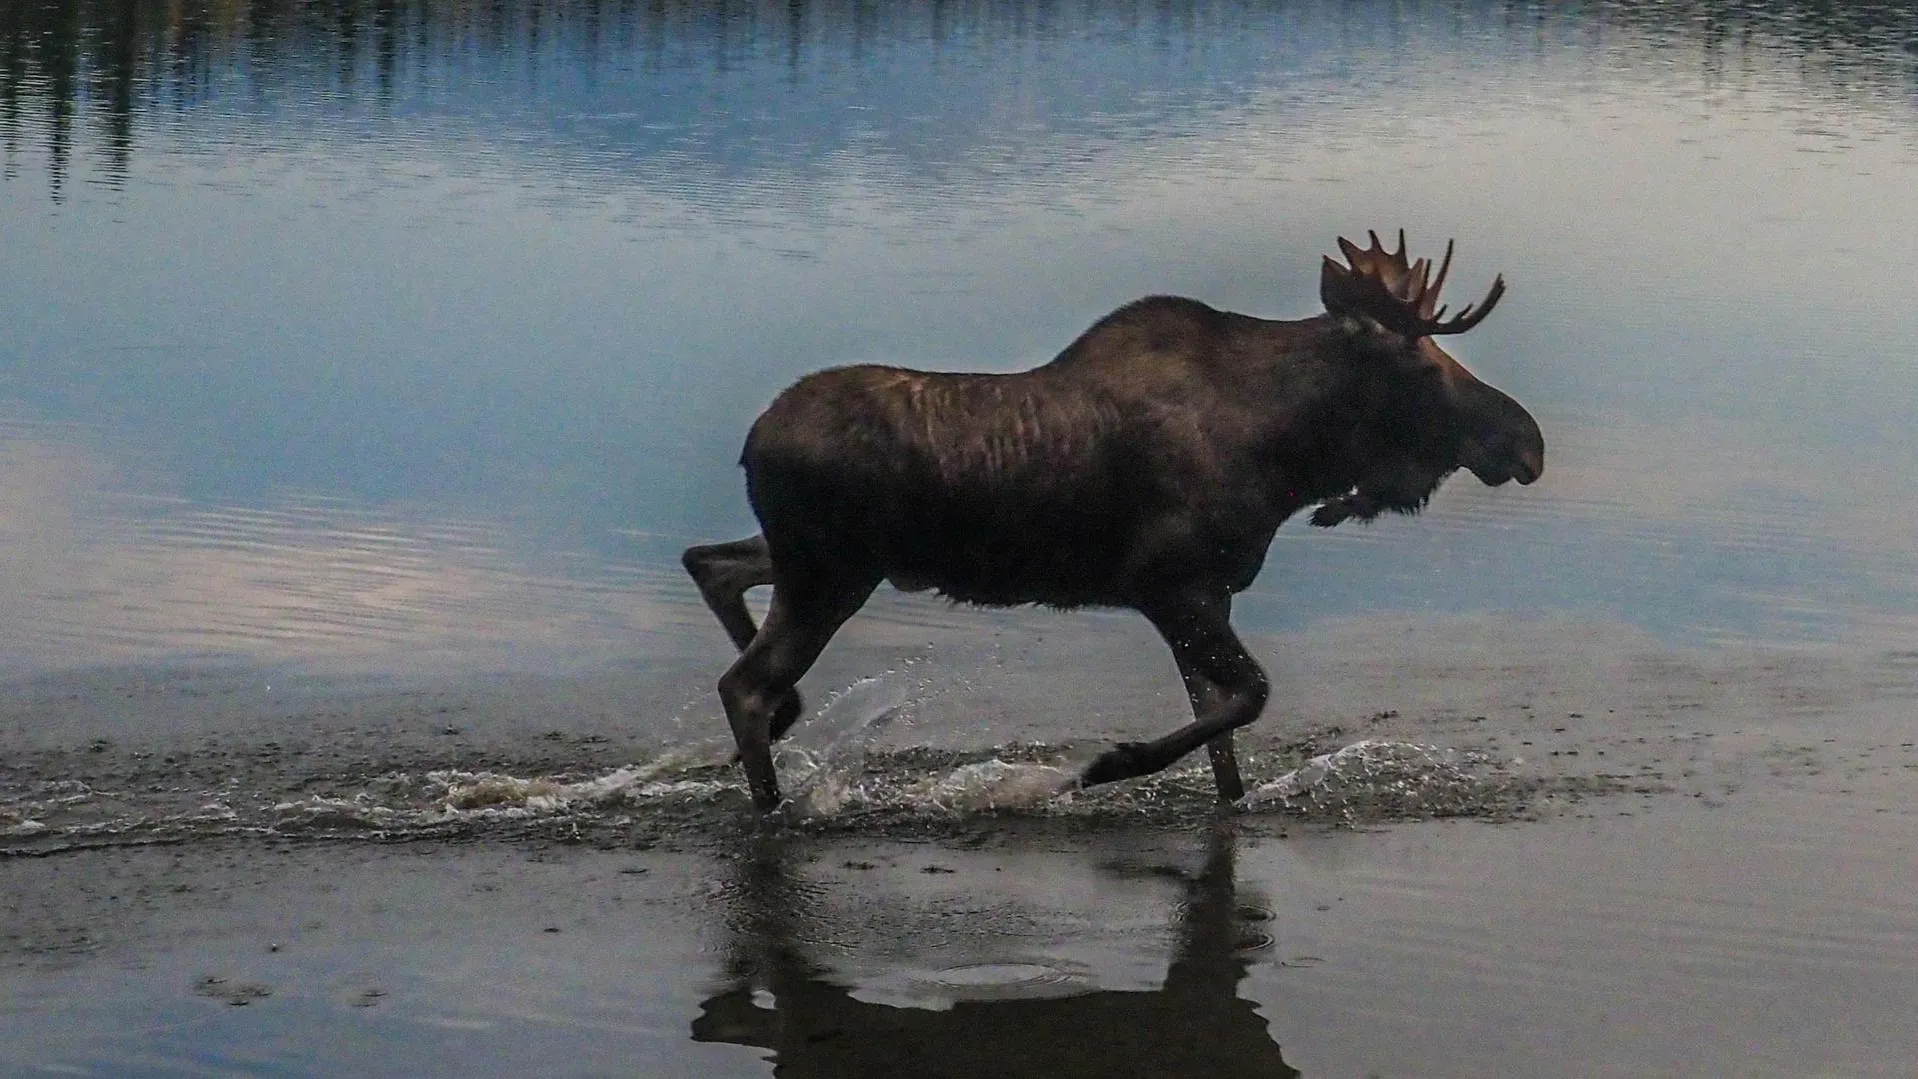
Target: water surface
{"x":365,"y":365}
{"x":335,"y":325}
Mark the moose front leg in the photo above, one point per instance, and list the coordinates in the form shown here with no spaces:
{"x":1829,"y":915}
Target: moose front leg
{"x":1204,"y":696}
{"x":724,"y":572}
{"x":1225,"y":760}
{"x":801,"y":620}
{"x":1225,"y":686}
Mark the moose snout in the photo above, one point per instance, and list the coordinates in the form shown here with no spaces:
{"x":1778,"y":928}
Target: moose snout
{"x":1522,"y":449}
{"x":1501,"y":441}
{"x":1506,"y":459}
{"x":1530,"y":465}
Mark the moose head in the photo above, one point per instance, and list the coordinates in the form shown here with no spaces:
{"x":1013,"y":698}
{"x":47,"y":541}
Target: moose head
{"x":1439,"y":416}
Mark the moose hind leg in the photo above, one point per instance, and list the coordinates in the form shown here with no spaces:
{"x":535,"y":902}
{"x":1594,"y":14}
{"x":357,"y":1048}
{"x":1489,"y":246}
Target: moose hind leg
{"x":1224,"y":684}
{"x":798,"y":626}
{"x":724,"y":572}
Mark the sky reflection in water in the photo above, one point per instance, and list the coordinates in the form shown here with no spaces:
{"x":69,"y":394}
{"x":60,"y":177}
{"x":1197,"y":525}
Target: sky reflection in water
{"x":434,"y":334}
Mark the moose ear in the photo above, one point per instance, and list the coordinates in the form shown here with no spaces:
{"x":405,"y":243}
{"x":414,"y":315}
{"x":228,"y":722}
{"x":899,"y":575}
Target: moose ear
{"x":1340,"y":289}
{"x":1351,"y":294}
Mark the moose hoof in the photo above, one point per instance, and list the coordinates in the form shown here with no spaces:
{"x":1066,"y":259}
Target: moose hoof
{"x":1123,"y":761}
{"x":764,"y":788}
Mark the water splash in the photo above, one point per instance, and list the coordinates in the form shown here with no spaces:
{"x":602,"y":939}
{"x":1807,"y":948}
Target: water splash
{"x":995,"y":784}
{"x":1375,"y":778}
{"x":453,"y":795}
{"x":15,"y":824}
{"x":842,"y":783}
{"x":661,"y":777}
{"x":830,"y":779}
{"x":831,"y":791}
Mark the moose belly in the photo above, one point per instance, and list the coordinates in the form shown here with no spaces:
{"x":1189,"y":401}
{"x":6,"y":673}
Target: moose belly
{"x":1008,"y":566}
{"x":906,"y":582}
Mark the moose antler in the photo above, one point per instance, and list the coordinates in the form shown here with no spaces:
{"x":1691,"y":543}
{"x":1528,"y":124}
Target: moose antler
{"x":1380,"y":285}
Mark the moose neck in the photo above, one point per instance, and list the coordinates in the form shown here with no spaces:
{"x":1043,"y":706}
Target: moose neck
{"x":1380,"y":433}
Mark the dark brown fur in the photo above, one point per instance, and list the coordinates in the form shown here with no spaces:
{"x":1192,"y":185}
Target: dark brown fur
{"x":1147,"y":466}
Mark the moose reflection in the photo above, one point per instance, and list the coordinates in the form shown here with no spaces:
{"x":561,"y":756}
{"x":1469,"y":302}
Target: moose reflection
{"x":1147,"y":466}
{"x":1194,"y":1024}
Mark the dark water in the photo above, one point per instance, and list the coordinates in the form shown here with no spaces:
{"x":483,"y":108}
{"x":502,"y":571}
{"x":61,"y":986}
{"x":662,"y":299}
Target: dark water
{"x":393,"y":336}
{"x":1437,"y":951}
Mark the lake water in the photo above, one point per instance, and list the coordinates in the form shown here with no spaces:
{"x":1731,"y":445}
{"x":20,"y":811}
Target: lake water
{"x":391,"y":336}
{"x":366,"y":364}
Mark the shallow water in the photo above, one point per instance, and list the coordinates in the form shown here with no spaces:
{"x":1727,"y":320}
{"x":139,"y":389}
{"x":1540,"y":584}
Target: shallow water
{"x":364,"y":367}
{"x":1574,"y":947}
{"x":1654,"y":862}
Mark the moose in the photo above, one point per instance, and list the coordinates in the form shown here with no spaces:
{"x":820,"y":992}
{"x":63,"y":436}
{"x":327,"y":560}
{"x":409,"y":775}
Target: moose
{"x":1145,"y":467}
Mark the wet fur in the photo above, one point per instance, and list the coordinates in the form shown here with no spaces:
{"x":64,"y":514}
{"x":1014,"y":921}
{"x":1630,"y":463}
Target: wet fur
{"x":1168,"y":432}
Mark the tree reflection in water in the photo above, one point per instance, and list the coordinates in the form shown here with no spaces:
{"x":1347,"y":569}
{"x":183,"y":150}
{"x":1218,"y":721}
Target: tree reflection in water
{"x":1193,"y":1024}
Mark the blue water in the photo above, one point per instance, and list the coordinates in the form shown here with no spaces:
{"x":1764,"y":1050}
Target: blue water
{"x":365,"y":336}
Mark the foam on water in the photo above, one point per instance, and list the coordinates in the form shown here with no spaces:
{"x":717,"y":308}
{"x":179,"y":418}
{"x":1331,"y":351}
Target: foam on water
{"x":12,"y":824}
{"x":835,"y":779}
{"x":662,"y":777}
{"x":1406,"y":778}
{"x":841,"y":782}
{"x":829,"y":789}
{"x":823,"y":769}
{"x":996,"y":784}
{"x":834,"y":769}
{"x":456,"y":795}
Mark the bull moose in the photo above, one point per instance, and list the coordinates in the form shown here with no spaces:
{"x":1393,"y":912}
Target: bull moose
{"x":1147,"y":467}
